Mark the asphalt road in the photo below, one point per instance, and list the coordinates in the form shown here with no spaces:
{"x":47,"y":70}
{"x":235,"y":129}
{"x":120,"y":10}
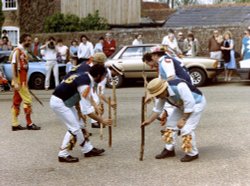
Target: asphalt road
{"x":223,"y":138}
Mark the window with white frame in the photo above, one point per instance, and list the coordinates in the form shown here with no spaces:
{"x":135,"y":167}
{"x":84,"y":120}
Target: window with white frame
{"x":9,"y":4}
{"x":13,"y":34}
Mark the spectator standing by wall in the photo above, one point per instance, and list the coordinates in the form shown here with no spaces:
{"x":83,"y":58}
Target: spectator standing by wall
{"x":180,"y":41}
{"x":73,"y":48}
{"x":109,"y":45}
{"x":137,"y":40}
{"x":85,"y":49}
{"x":245,"y":49}
{"x":228,"y":55}
{"x":51,"y":61}
{"x":191,"y":46}
{"x":171,"y":42}
{"x":62,"y":51}
{"x":6,"y":44}
{"x":35,"y":47}
{"x":214,"y":45}
{"x":99,"y":45}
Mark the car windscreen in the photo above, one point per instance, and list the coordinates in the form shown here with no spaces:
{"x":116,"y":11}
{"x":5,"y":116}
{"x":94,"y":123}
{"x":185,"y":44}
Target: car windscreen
{"x":33,"y":58}
{"x":131,"y":52}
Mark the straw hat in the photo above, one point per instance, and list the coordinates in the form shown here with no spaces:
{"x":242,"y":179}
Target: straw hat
{"x":99,"y":57}
{"x":156,"y":87}
{"x":117,"y":67}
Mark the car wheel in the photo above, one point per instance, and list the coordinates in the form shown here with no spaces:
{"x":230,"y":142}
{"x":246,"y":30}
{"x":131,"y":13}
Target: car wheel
{"x":118,"y":80}
{"x":37,"y":81}
{"x":198,"y":76}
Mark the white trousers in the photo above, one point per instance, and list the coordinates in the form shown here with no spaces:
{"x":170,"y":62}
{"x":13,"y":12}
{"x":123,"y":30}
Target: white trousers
{"x":188,"y":128}
{"x":70,"y":118}
{"x":51,"y":65}
{"x":216,"y":55}
{"x":97,"y":101}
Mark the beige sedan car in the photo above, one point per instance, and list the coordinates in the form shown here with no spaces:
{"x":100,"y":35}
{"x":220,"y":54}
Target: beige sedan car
{"x":201,"y":69}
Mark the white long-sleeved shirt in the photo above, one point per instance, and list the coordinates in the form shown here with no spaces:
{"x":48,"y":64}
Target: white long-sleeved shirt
{"x":85,"y":50}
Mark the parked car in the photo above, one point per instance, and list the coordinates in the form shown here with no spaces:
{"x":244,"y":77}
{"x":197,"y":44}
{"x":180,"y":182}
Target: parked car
{"x":202,"y":69}
{"x":244,"y":69}
{"x":36,"y":72}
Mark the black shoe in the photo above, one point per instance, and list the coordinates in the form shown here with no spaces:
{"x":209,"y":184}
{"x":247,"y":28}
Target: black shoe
{"x":19,"y":127}
{"x":33,"y":127}
{"x":188,"y":158}
{"x":68,"y":159}
{"x":165,"y":154}
{"x":97,"y":125}
{"x":94,"y":152}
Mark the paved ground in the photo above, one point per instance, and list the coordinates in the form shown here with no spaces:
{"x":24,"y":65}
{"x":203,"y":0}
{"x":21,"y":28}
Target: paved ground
{"x":30,"y":157}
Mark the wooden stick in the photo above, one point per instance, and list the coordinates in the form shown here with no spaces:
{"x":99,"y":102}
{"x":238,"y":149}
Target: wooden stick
{"x":101,"y":125}
{"x":114,"y":98}
{"x":110,"y":127}
{"x":142,"y":128}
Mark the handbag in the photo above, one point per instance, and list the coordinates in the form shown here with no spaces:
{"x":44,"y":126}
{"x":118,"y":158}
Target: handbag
{"x":59,"y":58}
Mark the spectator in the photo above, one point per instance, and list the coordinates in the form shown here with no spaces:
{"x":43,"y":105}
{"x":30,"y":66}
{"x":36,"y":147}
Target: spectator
{"x":6,"y":44}
{"x":99,"y":45}
{"x":191,"y":46}
{"x":35,"y":47}
{"x":137,"y":40}
{"x":109,"y":45}
{"x":5,"y":34}
{"x":214,"y":45}
{"x":171,"y":42}
{"x":73,"y":48}
{"x":85,"y":49}
{"x":180,"y":41}
{"x":62,"y":52}
{"x":1,"y":45}
{"x":245,"y":49}
{"x":228,"y":55}
{"x":51,"y":61}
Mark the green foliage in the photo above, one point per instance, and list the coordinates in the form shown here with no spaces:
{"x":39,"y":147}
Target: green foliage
{"x":93,"y":22}
{"x":55,"y":23}
{"x":1,"y":15}
{"x":72,"y":23}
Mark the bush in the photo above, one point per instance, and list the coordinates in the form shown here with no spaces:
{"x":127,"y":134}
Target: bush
{"x":93,"y":22}
{"x":72,"y":23}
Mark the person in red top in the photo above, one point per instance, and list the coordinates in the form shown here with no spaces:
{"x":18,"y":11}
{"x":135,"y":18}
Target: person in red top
{"x":109,"y":45}
{"x":20,"y":83}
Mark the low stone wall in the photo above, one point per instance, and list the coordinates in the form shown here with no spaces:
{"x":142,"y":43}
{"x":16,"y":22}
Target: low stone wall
{"x":152,"y":35}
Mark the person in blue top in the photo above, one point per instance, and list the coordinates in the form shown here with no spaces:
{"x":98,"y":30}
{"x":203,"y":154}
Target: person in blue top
{"x":189,"y":103}
{"x":245,"y":49}
{"x":63,"y":102}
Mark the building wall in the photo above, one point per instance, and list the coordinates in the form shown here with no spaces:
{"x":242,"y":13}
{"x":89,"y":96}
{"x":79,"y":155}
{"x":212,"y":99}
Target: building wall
{"x":34,"y":12}
{"x":117,"y":12}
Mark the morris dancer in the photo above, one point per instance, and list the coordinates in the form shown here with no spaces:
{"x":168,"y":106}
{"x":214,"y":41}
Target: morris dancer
{"x":20,"y":64}
{"x":188,"y":103}
{"x":68,"y":94}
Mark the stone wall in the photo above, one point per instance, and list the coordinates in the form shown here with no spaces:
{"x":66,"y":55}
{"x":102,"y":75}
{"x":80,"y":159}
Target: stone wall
{"x":152,"y":35}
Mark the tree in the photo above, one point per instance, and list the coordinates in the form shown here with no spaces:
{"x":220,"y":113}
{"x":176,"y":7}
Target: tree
{"x":1,"y":15}
{"x":186,"y":2}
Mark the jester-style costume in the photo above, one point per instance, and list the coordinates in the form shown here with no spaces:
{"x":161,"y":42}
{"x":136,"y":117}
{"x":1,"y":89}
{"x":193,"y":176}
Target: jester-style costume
{"x":20,"y":63}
